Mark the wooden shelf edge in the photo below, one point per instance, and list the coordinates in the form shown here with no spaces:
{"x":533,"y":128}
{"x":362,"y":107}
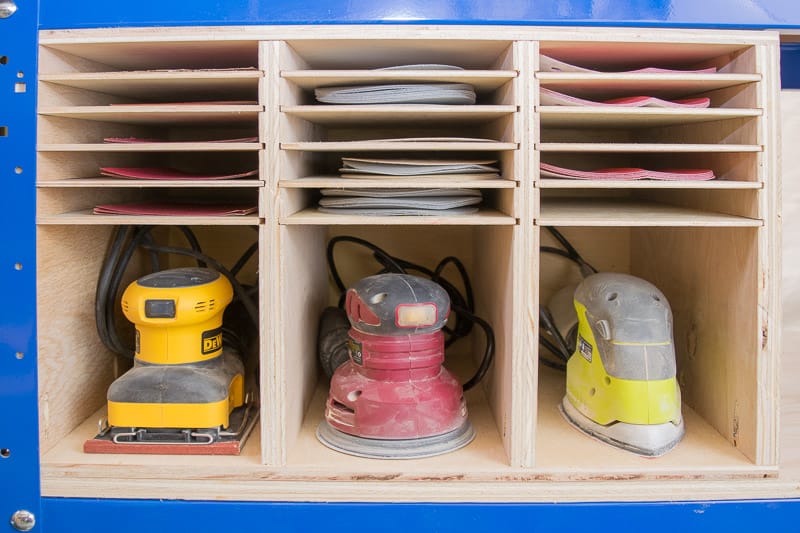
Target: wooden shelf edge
{"x":398,"y":182}
{"x":139,"y":184}
{"x":86,"y":218}
{"x":158,"y":74}
{"x":389,"y":146}
{"x":647,"y":147}
{"x":646,"y":184}
{"x":56,"y":484}
{"x":606,"y":213}
{"x":313,"y":217}
{"x":152,"y":147}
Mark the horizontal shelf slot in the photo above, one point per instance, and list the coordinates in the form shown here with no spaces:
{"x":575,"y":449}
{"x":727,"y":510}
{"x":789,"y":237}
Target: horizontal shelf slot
{"x":398,"y":113}
{"x":398,"y":146}
{"x":605,"y":117}
{"x":86,"y":218}
{"x":644,"y":184}
{"x":153,"y":84}
{"x":159,"y":114}
{"x":646,"y":147}
{"x":152,"y":147}
{"x":481,"y":80}
{"x":397,"y":182}
{"x":607,"y":212}
{"x":664,"y":85}
{"x":312,"y":217}
{"x":143,"y":184}
{"x":159,"y":52}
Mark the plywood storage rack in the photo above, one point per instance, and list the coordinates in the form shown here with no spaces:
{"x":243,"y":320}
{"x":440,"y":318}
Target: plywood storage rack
{"x":712,"y":247}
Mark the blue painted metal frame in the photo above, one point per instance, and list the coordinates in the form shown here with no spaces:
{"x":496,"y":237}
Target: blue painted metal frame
{"x":19,"y":441}
{"x":19,"y":472}
{"x":684,"y":13}
{"x":131,"y":516}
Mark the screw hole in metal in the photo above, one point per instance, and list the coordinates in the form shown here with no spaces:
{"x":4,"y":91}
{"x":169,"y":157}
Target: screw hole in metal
{"x":5,"y":453}
{"x":17,"y":170}
{"x":17,"y":266}
{"x":612,"y":296}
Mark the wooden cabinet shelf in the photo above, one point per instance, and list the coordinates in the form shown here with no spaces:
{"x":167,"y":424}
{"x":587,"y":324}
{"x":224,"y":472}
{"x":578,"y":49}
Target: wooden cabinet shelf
{"x":712,"y":247}
{"x":636,"y":117}
{"x":600,"y":212}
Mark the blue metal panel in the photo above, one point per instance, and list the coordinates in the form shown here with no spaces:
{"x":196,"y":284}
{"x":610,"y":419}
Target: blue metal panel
{"x":19,"y":472}
{"x":19,"y":448}
{"x":702,"y":13}
{"x":136,"y":516}
{"x":790,"y":66}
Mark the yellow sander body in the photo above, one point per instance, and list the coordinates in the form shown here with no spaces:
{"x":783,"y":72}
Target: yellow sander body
{"x":182,"y":377}
{"x":621,"y":379}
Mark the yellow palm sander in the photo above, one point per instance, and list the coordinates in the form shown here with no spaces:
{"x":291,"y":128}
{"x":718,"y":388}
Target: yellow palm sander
{"x":185,"y":385}
{"x":621,"y":378}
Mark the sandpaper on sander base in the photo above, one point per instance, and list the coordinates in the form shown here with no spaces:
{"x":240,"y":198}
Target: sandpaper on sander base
{"x":228,"y":445}
{"x":395,"y":448}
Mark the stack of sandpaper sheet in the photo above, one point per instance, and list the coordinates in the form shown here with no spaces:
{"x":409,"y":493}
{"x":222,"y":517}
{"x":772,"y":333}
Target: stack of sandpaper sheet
{"x":395,"y":202}
{"x":550,"y":97}
{"x":673,"y":174}
{"x":464,"y":169}
{"x":401,"y":93}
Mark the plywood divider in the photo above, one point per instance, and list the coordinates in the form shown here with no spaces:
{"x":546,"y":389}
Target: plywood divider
{"x":766,"y":446}
{"x":74,"y":368}
{"x":273,"y":417}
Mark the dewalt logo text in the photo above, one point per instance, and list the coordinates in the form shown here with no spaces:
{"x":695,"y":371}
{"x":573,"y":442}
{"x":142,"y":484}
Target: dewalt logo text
{"x":212,"y":341}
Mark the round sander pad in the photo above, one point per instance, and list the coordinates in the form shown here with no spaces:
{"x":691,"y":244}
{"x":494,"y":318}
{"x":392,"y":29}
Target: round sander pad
{"x":395,"y":448}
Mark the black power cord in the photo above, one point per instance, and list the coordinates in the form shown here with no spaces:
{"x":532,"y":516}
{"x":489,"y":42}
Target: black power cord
{"x":560,"y":348}
{"x":463,"y":305}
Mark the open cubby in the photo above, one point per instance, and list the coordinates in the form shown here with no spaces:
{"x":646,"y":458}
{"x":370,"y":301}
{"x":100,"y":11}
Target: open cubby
{"x":711,"y":246}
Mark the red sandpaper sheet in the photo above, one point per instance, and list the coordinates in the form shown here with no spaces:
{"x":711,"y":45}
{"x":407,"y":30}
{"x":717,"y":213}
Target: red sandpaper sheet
{"x":687,"y":174}
{"x":550,"y":97}
{"x":174,"y":209}
{"x":135,"y":140}
{"x":159,"y":173}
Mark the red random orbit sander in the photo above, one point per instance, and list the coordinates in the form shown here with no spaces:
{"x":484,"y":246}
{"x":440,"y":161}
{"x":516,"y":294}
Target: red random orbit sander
{"x":393,"y":398}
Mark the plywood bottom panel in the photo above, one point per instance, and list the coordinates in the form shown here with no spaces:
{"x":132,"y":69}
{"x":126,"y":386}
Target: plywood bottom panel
{"x":583,"y":470}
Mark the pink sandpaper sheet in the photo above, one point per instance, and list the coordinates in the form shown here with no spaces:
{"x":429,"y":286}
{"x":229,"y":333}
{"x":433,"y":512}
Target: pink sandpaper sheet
{"x":553,"y":171}
{"x":549,"y":97}
{"x":175,"y":209}
{"x":159,"y":173}
{"x":549,"y":64}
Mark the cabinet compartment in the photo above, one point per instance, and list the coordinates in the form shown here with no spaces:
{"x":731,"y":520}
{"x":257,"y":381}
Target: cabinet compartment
{"x":75,"y":368}
{"x":718,"y":334}
{"x":491,"y":257}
